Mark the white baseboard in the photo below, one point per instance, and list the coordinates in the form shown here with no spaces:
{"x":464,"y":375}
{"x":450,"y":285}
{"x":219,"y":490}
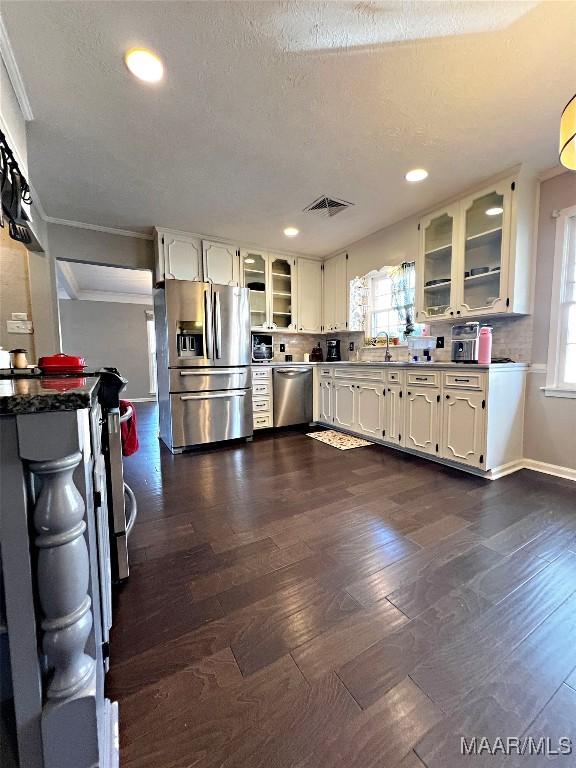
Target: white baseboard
{"x":550,"y":469}
{"x":506,"y":469}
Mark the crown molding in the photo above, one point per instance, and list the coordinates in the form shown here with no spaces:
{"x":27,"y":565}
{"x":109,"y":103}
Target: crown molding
{"x":97,"y":228}
{"x":14,"y":73}
{"x":550,"y":173}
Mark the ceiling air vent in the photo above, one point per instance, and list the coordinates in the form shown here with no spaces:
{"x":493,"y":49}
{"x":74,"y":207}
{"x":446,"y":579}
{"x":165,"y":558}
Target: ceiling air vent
{"x":327,"y":206}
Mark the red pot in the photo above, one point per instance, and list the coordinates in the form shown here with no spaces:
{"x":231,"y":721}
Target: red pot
{"x":61,"y":363}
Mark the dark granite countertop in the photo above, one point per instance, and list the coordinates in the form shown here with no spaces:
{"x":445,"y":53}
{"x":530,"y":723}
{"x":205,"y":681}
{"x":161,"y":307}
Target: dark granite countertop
{"x":46,"y":393}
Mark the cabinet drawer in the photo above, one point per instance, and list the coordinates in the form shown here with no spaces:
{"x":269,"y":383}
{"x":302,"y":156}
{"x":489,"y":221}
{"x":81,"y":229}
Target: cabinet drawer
{"x":261,"y":387}
{"x":261,"y":373}
{"x":464,"y":380}
{"x":360,"y":374}
{"x":262,"y":421}
{"x":325,"y":371}
{"x":394,"y":377}
{"x":261,"y":404}
{"x":429,"y":379}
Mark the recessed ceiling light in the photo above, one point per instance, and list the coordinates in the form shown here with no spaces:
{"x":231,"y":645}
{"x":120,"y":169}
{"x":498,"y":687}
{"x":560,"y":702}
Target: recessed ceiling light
{"x":249,"y":261}
{"x":418,"y":174}
{"x":144,"y":65}
{"x":496,"y":211}
{"x":291,"y":231}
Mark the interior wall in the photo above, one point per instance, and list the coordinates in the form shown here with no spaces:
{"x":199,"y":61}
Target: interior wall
{"x":95,"y":247}
{"x":14,"y":293}
{"x":109,"y":334}
{"x":550,"y":422}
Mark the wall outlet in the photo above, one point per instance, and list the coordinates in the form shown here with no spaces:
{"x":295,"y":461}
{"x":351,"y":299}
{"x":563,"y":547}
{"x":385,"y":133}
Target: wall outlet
{"x":351,"y":346}
{"x":439,"y":342}
{"x":282,"y":347}
{"x":19,"y":326}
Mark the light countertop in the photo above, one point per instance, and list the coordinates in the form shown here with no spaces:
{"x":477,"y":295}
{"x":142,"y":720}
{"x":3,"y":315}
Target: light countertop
{"x":396,"y":364}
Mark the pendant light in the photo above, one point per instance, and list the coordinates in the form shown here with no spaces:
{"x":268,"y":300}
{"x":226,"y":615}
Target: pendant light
{"x":568,"y":135}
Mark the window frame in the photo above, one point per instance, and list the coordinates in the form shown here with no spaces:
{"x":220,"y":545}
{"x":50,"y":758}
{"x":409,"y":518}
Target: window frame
{"x":557,"y":340}
{"x":384,"y":272}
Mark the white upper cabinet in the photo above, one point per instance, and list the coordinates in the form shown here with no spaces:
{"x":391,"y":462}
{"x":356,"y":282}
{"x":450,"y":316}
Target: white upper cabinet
{"x":475,"y":256}
{"x":254,"y":268}
{"x":309,"y":296}
{"x":435,"y":273}
{"x":221,"y":263}
{"x":283,"y":292}
{"x":272,"y":281}
{"x":335,"y":293}
{"x":178,"y":257}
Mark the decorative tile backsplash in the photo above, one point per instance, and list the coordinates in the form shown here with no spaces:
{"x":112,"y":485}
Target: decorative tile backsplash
{"x":511,"y":337}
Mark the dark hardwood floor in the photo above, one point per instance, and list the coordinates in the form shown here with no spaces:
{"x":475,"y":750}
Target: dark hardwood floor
{"x":295,"y":606}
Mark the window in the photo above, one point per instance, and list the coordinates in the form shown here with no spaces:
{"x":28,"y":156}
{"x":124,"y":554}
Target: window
{"x":150,"y":331}
{"x":390,"y":300}
{"x":561,"y":378}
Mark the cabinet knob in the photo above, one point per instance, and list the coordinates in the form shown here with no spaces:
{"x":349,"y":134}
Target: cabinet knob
{"x":457,"y":311}
{"x":451,"y":313}
{"x":409,"y":393}
{"x":447,"y":397}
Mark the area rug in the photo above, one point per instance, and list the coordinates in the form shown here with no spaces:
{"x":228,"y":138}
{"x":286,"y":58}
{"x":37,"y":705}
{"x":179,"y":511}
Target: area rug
{"x":338,"y":440}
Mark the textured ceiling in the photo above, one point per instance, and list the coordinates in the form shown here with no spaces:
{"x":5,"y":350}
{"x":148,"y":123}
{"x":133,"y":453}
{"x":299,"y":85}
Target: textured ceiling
{"x":267,"y":106}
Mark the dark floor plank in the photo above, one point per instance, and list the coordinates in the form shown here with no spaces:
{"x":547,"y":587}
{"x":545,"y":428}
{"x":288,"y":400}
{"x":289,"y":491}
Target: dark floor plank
{"x":189,"y":733}
{"x":382,"y":735}
{"x":376,"y":586}
{"x":347,"y":639}
{"x":370,"y":674}
{"x":253,"y":558}
{"x":415,"y":597}
{"x":508,"y":700}
{"x":456,"y":667}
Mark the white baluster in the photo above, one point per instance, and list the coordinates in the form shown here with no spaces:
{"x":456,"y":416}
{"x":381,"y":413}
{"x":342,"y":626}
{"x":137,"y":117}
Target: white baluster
{"x":63,"y":573}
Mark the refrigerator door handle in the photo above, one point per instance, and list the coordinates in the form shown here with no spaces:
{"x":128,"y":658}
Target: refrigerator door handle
{"x":208,"y":330}
{"x":217,"y":325}
{"x":212,"y":395}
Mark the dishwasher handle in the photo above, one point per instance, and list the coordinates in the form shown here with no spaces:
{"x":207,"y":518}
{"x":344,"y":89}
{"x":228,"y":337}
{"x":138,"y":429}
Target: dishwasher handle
{"x":292,"y":371}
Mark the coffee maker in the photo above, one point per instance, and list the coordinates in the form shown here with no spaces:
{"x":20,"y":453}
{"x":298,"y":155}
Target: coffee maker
{"x":465,"y":342}
{"x":333,"y":351}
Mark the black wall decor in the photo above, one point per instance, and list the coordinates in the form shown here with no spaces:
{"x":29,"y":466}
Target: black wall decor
{"x":14,"y":191}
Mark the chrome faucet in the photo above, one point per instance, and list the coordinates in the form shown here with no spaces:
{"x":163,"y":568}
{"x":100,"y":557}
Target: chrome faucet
{"x":387,"y":356}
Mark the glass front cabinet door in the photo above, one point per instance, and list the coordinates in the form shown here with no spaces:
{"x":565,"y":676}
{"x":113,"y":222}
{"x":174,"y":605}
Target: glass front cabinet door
{"x":255,"y":277}
{"x":283,"y":293}
{"x":435,"y":275}
{"x":485,"y":247}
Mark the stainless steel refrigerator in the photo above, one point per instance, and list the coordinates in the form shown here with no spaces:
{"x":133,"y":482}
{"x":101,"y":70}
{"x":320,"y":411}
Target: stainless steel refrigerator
{"x":203,"y":363}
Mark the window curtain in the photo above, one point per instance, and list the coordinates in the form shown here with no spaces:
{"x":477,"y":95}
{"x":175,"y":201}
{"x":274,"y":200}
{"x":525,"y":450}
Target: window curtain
{"x":403,"y":283}
{"x":359,"y":304}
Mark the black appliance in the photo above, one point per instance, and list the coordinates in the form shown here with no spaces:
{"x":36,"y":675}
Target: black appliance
{"x":333,"y":351}
{"x":262,"y":347}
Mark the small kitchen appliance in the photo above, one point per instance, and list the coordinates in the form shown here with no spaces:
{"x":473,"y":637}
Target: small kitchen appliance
{"x":465,"y":343}
{"x":333,"y":351}
{"x":316,"y":356}
{"x":262,"y":347}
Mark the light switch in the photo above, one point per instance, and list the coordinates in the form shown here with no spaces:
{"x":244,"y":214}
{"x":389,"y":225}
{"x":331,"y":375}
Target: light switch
{"x":19,"y":326}
{"x":19,"y":316}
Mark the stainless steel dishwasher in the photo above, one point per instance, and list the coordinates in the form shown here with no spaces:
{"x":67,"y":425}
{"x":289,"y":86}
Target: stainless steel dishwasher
{"x":292,"y":395}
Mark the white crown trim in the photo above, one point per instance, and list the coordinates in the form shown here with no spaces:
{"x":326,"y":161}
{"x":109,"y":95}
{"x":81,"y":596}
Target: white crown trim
{"x":14,"y":73}
{"x":98,"y":228}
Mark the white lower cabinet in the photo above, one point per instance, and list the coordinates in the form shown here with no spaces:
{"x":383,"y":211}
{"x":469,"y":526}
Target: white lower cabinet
{"x":463,"y":427}
{"x":470,"y":417}
{"x":344,"y":397}
{"x":325,"y":401}
{"x":421,"y":422}
{"x":370,"y":409}
{"x":393,"y":430}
